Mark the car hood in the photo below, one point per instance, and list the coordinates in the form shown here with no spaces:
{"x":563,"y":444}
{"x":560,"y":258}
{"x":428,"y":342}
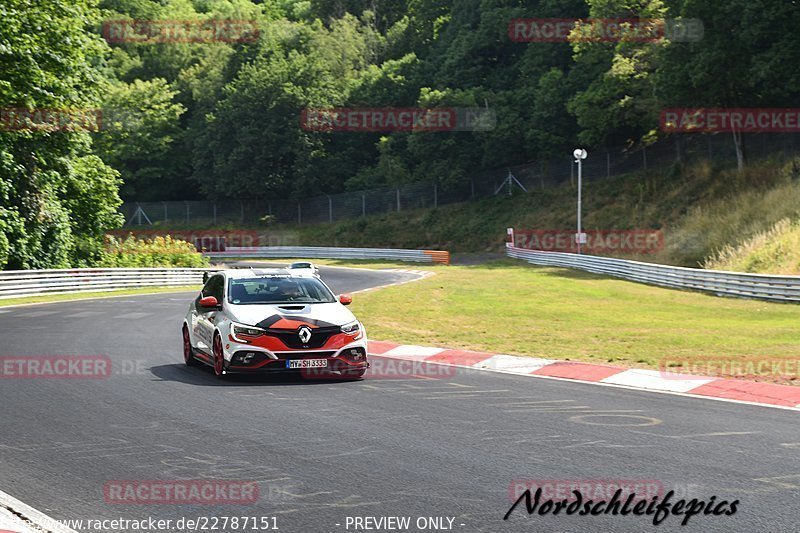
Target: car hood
{"x":322,"y":315}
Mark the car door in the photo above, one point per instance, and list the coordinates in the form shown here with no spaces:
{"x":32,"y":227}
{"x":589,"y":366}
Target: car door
{"x":207,"y":317}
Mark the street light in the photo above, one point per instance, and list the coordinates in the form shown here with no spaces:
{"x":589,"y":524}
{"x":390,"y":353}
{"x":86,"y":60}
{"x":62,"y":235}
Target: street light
{"x":580,"y":154}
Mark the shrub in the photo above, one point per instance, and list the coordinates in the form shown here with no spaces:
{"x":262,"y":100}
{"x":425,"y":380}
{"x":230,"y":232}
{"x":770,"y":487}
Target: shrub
{"x":157,"y":252}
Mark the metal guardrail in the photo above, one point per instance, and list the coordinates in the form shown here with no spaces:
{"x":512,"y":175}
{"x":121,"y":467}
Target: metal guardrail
{"x":321,"y":252}
{"x":16,"y":283}
{"x":718,"y":282}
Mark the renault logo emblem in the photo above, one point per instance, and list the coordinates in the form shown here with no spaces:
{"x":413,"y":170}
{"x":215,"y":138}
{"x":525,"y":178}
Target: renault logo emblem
{"x":305,"y":334}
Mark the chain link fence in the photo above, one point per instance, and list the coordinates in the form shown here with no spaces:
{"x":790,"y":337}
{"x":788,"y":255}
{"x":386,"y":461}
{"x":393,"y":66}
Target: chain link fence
{"x":601,"y":164}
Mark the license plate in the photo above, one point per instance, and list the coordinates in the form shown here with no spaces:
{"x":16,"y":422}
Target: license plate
{"x":306,"y":363}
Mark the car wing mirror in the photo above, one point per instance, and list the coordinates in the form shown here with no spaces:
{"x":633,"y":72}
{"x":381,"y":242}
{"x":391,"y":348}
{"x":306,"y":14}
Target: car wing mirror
{"x":209,"y":302}
{"x":345,"y":299}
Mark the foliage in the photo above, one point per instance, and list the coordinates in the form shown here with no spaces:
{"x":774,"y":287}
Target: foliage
{"x":157,"y":252}
{"x":56,"y":196}
{"x":217,"y":119}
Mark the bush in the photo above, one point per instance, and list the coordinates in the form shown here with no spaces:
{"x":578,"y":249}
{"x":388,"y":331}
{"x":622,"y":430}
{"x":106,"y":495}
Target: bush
{"x":158,"y":252}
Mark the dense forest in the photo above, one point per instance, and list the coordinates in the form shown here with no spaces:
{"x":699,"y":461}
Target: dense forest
{"x":185,"y":118}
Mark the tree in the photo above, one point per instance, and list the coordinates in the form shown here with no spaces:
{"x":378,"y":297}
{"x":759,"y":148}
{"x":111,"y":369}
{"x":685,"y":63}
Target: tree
{"x":48,"y":64}
{"x":140,"y":126}
{"x":748,"y":58}
{"x":619,"y":105}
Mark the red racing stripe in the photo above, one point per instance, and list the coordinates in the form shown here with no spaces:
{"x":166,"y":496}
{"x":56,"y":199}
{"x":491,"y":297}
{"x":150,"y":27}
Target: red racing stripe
{"x":459,"y":357}
{"x":751,"y":391}
{"x":579,"y":371}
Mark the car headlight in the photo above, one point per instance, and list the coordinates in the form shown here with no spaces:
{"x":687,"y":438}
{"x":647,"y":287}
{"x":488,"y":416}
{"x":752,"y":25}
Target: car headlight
{"x":353,"y":328}
{"x":238,"y":330}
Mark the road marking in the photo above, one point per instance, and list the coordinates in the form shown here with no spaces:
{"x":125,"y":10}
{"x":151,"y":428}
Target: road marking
{"x":531,"y":403}
{"x":83,"y":314}
{"x":778,"y":481}
{"x":654,"y":379}
{"x":408,"y":350}
{"x":648,"y":421}
{"x":606,"y":444}
{"x":716,"y":434}
{"x":470,"y":391}
{"x":35,"y":314}
{"x":461,"y":397}
{"x":549,"y":409}
{"x":132,"y":316}
{"x":513,"y":364}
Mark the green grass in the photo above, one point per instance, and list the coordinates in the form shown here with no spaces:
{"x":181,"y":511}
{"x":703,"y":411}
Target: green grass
{"x":700,"y":208}
{"x":776,"y":251}
{"x":514,"y":308}
{"x":47,"y":298}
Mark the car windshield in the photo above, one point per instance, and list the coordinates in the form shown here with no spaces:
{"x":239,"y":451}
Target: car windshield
{"x":300,"y":265}
{"x":273,"y":289}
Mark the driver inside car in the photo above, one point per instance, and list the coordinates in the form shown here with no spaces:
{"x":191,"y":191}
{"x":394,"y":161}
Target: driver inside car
{"x":289,"y":291}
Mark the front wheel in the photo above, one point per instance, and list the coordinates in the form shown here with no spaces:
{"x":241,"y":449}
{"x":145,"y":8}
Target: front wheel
{"x":219,"y":358}
{"x":188,"y":351}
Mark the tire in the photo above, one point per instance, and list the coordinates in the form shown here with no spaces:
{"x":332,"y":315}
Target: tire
{"x":219,"y":358}
{"x":188,"y":351}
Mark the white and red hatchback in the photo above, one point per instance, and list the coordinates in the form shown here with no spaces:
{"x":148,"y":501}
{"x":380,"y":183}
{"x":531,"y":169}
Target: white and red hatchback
{"x":250,"y":321}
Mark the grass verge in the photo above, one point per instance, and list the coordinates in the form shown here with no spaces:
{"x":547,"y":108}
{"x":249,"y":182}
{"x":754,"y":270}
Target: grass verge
{"x":515,"y":308}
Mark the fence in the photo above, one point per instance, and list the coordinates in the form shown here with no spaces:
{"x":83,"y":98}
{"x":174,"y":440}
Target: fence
{"x":16,"y":283}
{"x":720,"y":283}
{"x":601,"y":164}
{"x":320,"y":252}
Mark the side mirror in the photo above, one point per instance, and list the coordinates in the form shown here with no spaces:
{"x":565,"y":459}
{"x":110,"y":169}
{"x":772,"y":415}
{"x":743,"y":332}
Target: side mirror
{"x":209,"y":301}
{"x":345,"y":299}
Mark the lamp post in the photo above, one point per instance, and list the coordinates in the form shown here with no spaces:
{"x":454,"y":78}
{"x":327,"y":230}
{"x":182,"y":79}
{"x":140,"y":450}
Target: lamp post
{"x":580,"y":154}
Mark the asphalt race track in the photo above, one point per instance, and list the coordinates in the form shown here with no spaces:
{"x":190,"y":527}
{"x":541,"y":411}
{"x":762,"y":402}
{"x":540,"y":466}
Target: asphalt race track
{"x":447,"y":446}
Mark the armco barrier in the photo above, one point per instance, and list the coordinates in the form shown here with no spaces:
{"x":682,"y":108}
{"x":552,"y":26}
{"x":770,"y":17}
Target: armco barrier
{"x":322,"y":252}
{"x":721,"y":283}
{"x":15,"y":283}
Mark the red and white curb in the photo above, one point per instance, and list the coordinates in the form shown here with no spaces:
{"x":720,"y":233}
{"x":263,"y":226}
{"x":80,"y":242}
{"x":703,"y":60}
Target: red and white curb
{"x":735,"y":390}
{"x":18,"y":517}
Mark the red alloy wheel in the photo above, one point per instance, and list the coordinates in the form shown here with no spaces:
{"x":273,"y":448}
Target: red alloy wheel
{"x":219,"y":359}
{"x":188,"y":356}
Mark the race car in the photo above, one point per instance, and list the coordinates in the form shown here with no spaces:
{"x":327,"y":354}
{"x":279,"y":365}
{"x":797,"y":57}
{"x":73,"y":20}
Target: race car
{"x":251,"y":321}
{"x":304,"y":266}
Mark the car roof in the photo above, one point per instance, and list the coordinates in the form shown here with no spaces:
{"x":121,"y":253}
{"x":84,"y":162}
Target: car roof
{"x":244,"y":273}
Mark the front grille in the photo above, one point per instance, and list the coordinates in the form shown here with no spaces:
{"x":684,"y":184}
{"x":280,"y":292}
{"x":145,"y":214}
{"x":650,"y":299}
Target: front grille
{"x":304,"y":355}
{"x":291,"y":339}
